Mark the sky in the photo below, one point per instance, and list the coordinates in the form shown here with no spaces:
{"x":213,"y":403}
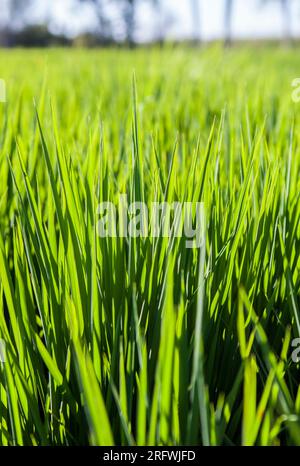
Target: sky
{"x":251,"y":18}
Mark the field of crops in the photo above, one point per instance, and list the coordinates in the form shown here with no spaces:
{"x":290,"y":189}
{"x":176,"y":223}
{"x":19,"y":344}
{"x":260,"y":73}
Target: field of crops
{"x":142,"y":340}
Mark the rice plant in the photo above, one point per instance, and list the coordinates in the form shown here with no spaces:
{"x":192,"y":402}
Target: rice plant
{"x":140,"y":340}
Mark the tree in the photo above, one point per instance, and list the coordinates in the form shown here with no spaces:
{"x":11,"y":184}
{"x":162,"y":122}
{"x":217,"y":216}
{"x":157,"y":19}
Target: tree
{"x":129,"y":16}
{"x":127,"y":10}
{"x":228,"y":20}
{"x":195,"y":11}
{"x":16,"y":17}
{"x":286,"y":18}
{"x":285,"y":6}
{"x":105,"y":26}
{"x":17,"y":10}
{"x":165,"y":17}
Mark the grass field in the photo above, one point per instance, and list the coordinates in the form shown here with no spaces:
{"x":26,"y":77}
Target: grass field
{"x":142,"y":340}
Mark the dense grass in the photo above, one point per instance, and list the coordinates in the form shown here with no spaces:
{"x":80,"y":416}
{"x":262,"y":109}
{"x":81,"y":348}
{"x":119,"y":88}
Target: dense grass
{"x":140,"y":341}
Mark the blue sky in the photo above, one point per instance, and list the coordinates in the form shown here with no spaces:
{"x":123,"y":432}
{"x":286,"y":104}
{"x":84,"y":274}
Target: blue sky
{"x":251,"y":18}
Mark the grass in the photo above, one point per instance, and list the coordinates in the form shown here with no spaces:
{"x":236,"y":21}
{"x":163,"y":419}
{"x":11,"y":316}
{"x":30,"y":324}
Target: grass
{"x":141,"y":340}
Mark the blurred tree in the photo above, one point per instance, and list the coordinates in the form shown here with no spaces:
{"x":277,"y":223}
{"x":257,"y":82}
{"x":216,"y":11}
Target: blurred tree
{"x":160,"y":21}
{"x":37,"y":36}
{"x":195,"y":10}
{"x":286,"y":17}
{"x":129,"y":8}
{"x":17,"y":10}
{"x":105,"y":26}
{"x":165,"y":17}
{"x":129,"y":16}
{"x":127,"y":11}
{"x":227,"y":21}
{"x":285,"y":7}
